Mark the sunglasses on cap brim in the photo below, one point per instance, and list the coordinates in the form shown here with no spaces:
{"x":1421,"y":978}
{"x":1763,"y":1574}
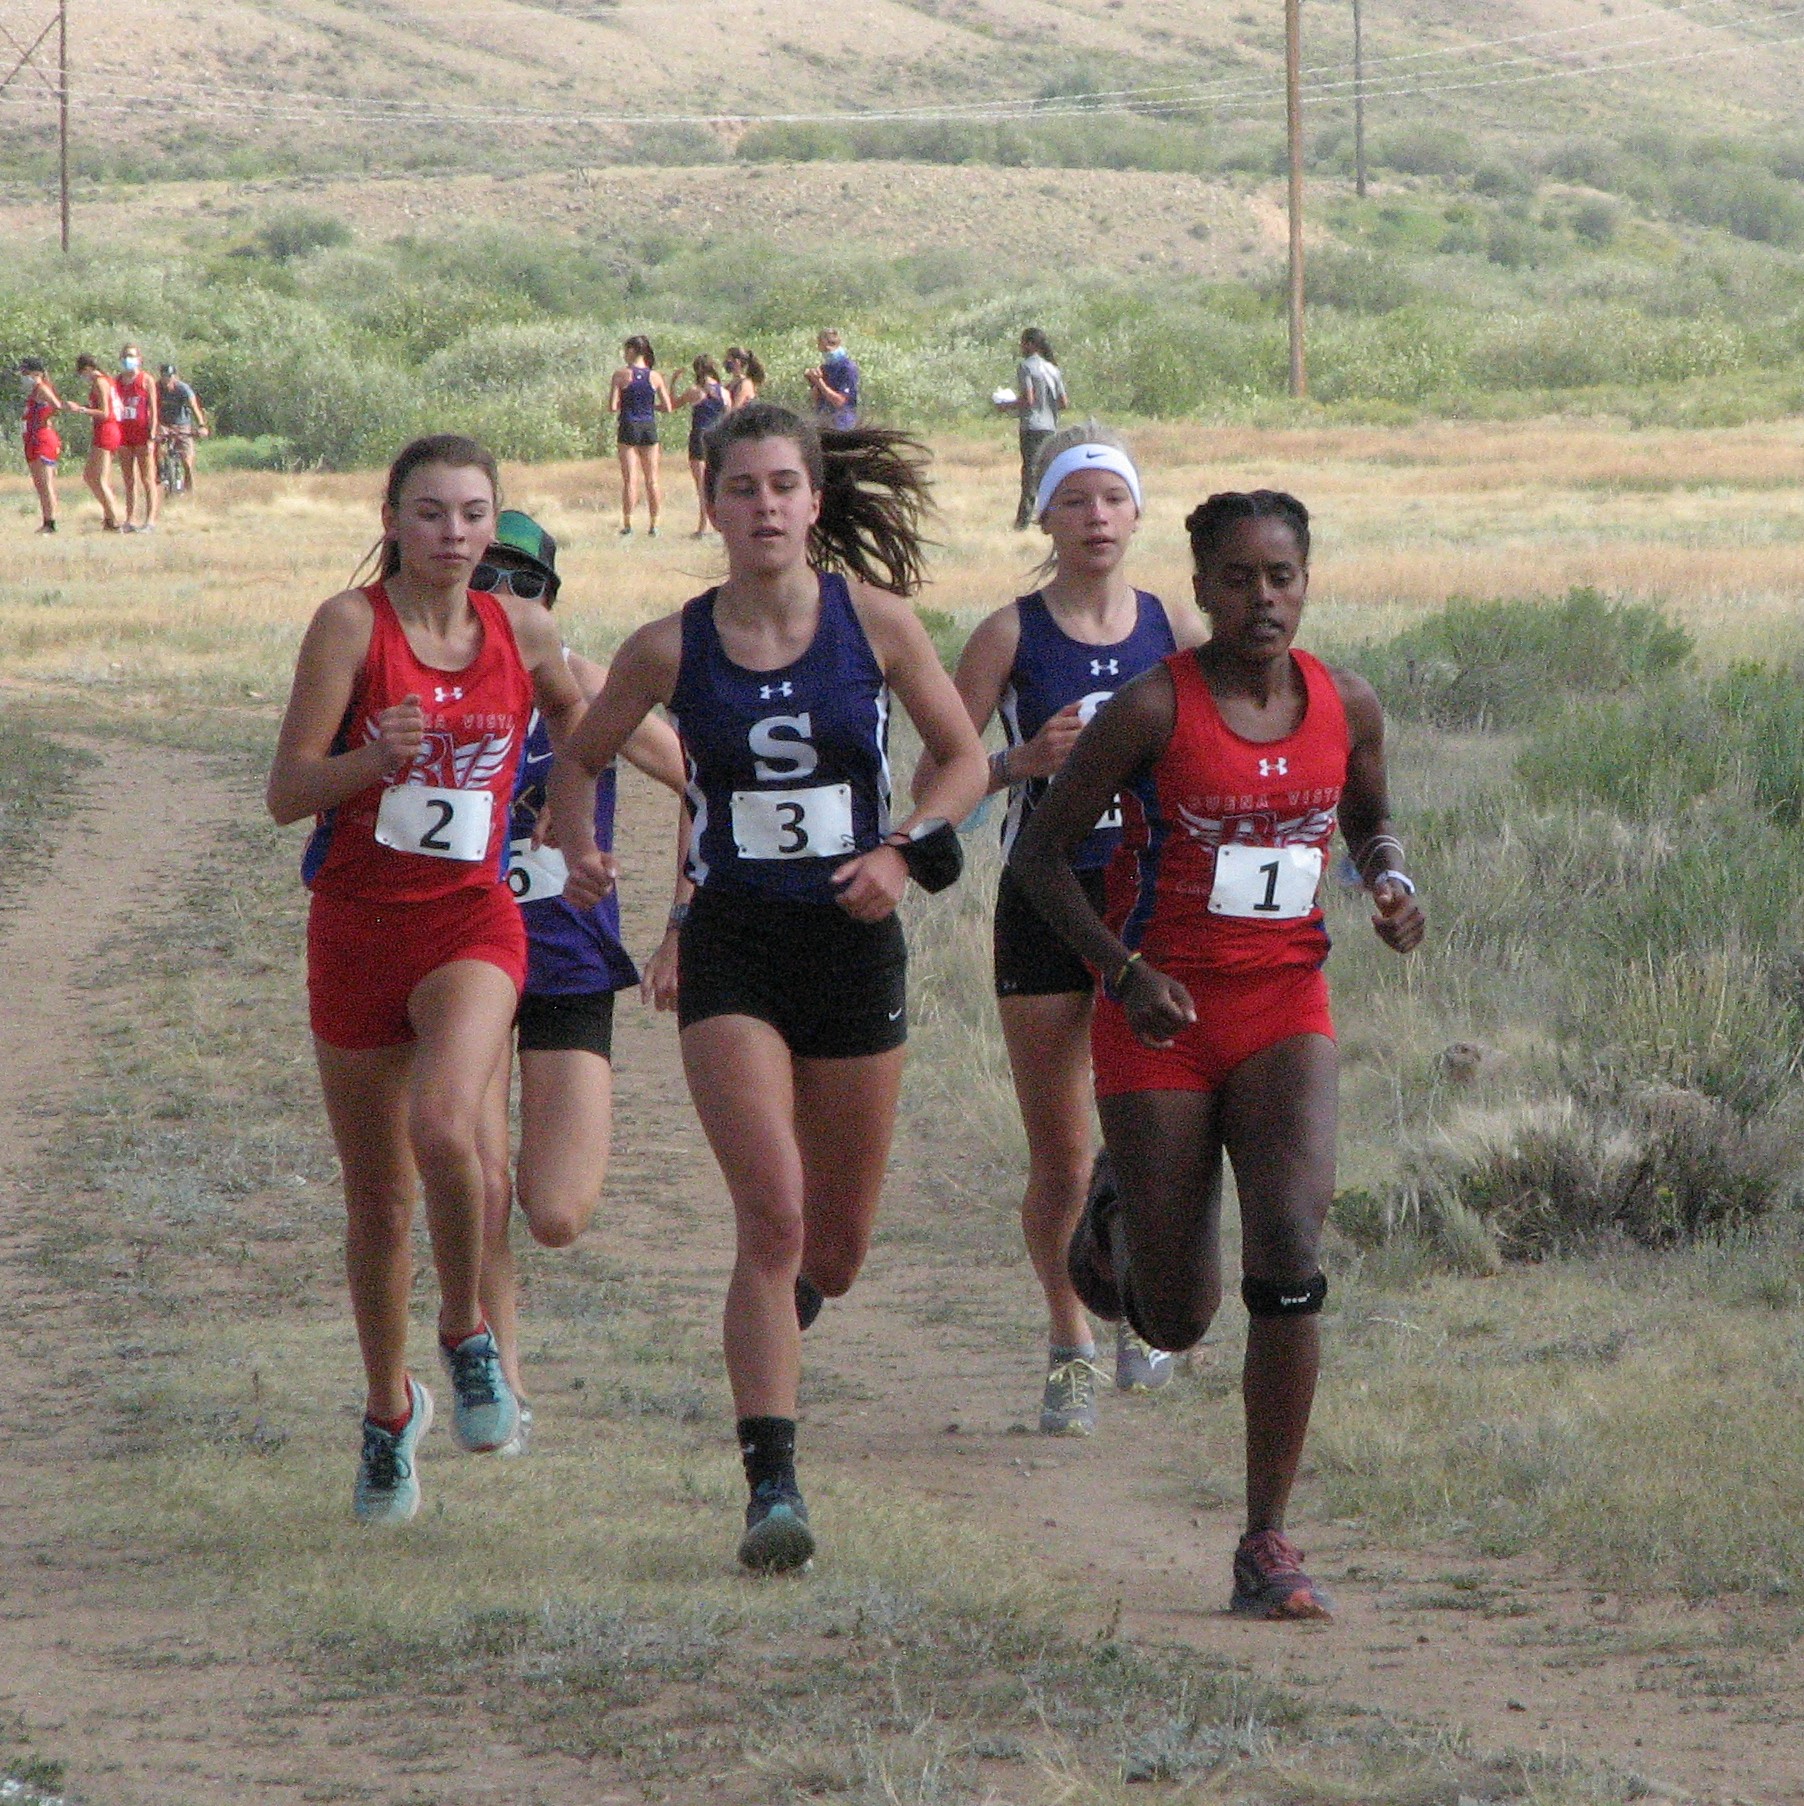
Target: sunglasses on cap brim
{"x":529,"y":586}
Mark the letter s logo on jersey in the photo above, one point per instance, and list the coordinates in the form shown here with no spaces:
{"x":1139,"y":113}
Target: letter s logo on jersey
{"x":781,"y":743}
{"x":1088,"y":705}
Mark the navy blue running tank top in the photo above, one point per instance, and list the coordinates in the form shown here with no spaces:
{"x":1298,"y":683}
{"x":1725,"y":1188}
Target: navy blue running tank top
{"x":638,"y":399}
{"x":788,"y":769}
{"x":1051,"y":671}
{"x":570,"y":952}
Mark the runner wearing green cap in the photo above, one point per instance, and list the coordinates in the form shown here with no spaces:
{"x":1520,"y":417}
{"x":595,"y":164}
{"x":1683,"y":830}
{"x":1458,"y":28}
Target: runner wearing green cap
{"x":575,"y":964}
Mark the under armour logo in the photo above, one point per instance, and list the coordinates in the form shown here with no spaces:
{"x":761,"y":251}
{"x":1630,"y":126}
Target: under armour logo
{"x":1105,"y":667}
{"x":442,"y":693}
{"x":1278,"y":768}
{"x":769,"y":692}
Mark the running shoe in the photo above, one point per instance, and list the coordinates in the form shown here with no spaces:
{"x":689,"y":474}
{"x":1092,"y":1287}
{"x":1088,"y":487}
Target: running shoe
{"x":485,"y":1416}
{"x":777,"y":1539}
{"x":1068,"y":1405}
{"x":521,"y":1439}
{"x":388,"y":1485}
{"x":1139,"y":1367}
{"x":1090,"y":1258}
{"x":1269,"y":1581}
{"x":809,"y":1299}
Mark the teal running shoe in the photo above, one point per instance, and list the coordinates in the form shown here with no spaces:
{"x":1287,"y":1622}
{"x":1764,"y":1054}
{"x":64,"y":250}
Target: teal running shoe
{"x":485,"y":1415}
{"x":777,"y":1539}
{"x":388,"y":1483}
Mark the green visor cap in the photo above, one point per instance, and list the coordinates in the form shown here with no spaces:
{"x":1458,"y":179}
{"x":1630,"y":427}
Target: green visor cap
{"x":521,"y":533}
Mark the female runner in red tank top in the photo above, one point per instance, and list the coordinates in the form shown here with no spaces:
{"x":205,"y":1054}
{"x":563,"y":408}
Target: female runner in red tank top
{"x":43,"y":445}
{"x":103,"y":409}
{"x":403,"y":736}
{"x":1235,"y":763}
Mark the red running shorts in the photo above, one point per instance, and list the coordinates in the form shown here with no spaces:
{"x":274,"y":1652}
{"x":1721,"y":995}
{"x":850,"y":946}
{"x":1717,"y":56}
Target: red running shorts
{"x":364,"y":959}
{"x":1238,"y":1014}
{"x":108,"y":436}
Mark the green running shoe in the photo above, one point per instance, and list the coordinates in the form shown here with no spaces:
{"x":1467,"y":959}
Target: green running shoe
{"x":485,"y":1417}
{"x":1068,"y":1405}
{"x":388,"y":1485}
{"x":777,"y":1539}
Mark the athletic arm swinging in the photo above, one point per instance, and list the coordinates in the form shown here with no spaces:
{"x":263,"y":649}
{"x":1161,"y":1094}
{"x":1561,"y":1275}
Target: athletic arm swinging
{"x":1127,"y":734}
{"x":1365,"y":819}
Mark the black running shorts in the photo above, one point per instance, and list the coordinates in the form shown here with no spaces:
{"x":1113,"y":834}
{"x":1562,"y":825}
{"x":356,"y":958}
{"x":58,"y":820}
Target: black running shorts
{"x":637,"y":432}
{"x":1031,"y":960}
{"x":581,"y":1023}
{"x":832,"y":987}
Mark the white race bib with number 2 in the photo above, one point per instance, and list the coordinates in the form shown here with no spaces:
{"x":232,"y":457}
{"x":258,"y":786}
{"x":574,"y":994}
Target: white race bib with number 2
{"x":535,"y":873}
{"x":1265,"y":884}
{"x":794,"y":824}
{"x":442,"y":824}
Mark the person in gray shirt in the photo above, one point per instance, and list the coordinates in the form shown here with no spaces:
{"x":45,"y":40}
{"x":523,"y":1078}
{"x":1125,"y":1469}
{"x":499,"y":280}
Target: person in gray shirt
{"x":1039,"y":397}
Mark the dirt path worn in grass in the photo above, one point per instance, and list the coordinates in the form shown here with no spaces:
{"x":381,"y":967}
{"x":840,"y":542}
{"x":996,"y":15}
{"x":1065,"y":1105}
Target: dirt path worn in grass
{"x":159,"y":1706}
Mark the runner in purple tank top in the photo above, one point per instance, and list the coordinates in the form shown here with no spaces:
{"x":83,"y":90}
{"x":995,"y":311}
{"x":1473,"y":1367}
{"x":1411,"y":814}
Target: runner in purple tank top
{"x":1045,"y":663}
{"x":575,"y":964}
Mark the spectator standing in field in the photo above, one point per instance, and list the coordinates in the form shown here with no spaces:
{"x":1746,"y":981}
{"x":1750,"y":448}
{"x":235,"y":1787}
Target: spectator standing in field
{"x":745,"y":376}
{"x":137,"y":438}
{"x":637,"y":396}
{"x":834,"y":382}
{"x":43,"y":444}
{"x":102,"y":407}
{"x":1039,"y":397}
{"x":179,"y":409}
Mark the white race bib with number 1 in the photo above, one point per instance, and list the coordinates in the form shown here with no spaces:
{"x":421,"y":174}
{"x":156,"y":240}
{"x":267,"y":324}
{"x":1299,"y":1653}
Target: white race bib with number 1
{"x":535,"y":873}
{"x":1265,"y":884}
{"x":442,"y":824}
{"x":794,"y":824}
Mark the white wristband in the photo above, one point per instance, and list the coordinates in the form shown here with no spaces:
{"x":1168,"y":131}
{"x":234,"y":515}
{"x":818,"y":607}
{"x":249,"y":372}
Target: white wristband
{"x":1402,"y":881}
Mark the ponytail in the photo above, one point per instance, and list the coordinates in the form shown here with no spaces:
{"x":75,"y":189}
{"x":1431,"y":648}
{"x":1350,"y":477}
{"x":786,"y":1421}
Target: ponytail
{"x":873,"y":485}
{"x":747,"y":362}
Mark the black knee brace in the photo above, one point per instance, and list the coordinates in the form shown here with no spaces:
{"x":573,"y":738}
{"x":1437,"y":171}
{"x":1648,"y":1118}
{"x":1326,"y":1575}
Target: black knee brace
{"x":1265,"y":1298}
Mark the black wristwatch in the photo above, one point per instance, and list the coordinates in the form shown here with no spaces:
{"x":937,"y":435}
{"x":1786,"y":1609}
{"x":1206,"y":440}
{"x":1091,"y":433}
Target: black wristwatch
{"x":931,"y":852}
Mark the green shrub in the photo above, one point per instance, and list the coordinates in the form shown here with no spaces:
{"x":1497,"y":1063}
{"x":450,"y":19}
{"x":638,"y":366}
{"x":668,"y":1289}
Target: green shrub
{"x":297,"y":232}
{"x":1426,"y":150}
{"x":1750,"y":202}
{"x":1505,"y":663}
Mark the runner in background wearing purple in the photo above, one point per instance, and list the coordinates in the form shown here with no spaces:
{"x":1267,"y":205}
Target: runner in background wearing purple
{"x":708,"y":401}
{"x":575,"y":964}
{"x":637,"y":395}
{"x":835,"y":382}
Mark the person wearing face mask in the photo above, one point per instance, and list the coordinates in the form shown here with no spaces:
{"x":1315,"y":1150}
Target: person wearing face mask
{"x":43,"y":444}
{"x":138,"y":423}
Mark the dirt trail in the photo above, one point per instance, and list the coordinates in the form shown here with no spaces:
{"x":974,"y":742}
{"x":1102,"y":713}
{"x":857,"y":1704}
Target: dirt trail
{"x":162,"y":1707}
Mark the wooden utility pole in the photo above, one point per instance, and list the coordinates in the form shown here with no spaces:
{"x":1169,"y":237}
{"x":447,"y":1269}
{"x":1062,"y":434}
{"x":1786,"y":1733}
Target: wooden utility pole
{"x":1359,"y":103}
{"x":1293,"y":108}
{"x":62,"y":112}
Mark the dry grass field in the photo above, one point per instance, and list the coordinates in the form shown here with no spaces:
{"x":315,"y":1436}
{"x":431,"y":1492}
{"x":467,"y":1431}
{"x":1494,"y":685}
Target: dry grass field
{"x":1560,"y":1501}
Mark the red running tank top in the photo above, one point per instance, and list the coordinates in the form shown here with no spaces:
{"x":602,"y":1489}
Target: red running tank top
{"x":476,"y":722}
{"x":1170,"y":893}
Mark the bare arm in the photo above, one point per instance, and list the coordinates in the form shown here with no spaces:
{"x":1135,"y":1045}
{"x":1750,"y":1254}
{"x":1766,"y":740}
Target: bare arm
{"x":1189,"y":628}
{"x":982,"y":675}
{"x":307,"y":776}
{"x":661,"y":394}
{"x":614,"y":392}
{"x":652,"y":746}
{"x":1365,"y":819}
{"x":1128,"y":733}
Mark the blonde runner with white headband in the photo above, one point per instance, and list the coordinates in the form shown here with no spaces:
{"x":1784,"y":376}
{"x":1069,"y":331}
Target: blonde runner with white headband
{"x":1086,"y":457}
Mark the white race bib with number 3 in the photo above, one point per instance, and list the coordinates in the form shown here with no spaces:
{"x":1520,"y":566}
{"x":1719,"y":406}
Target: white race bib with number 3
{"x":1265,"y":884}
{"x":535,"y":873}
{"x":794,"y":824}
{"x":442,"y":824}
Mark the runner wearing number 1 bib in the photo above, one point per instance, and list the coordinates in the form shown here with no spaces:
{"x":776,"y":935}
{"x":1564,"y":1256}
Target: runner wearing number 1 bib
{"x":1235,"y":763}
{"x":402,"y":736}
{"x":791,"y":965}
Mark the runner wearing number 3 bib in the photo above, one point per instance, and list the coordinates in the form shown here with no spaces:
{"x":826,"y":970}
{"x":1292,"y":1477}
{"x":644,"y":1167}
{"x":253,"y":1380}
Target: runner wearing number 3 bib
{"x":790,"y":989}
{"x":1235,"y":764}
{"x":403,"y":735}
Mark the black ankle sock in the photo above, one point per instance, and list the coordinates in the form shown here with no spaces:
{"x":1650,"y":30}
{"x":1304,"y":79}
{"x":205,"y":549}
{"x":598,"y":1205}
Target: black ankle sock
{"x":768,"y":1446}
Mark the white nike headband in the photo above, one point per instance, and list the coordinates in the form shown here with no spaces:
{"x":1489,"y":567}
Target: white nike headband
{"x":1086,"y":457}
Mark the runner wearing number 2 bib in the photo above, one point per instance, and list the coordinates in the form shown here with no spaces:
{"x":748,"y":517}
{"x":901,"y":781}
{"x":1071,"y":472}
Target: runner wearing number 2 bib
{"x":575,"y":964}
{"x":791,"y":997}
{"x":1235,"y":764}
{"x":403,"y":735}
{"x":1046,"y":663}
